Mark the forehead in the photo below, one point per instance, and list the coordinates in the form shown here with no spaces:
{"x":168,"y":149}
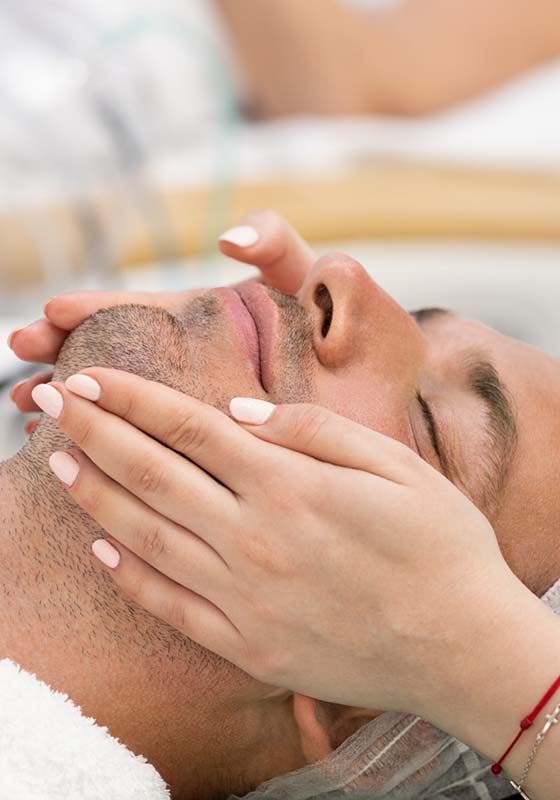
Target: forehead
{"x":528,"y":523}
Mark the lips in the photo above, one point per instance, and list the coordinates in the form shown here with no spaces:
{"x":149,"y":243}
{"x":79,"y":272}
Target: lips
{"x":245,"y":329}
{"x":263,"y":313}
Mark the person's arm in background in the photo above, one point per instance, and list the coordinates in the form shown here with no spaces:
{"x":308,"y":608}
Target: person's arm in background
{"x":326,"y":57}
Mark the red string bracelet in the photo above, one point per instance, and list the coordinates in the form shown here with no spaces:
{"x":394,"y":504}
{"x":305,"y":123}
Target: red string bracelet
{"x":526,"y":723}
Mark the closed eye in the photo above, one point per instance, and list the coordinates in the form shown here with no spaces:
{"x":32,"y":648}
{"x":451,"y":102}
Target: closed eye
{"x":432,"y":430}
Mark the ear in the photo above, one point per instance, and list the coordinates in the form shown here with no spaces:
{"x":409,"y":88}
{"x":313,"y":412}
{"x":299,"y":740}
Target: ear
{"x":325,"y":726}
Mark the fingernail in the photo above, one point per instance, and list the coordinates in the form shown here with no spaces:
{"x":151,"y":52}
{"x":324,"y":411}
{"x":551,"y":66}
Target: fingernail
{"x":14,"y":389}
{"x":84,"y":386}
{"x":10,"y":338}
{"x":251,"y":410}
{"x":242,"y":236}
{"x":106,"y":553}
{"x":48,"y":399}
{"x":64,"y":467}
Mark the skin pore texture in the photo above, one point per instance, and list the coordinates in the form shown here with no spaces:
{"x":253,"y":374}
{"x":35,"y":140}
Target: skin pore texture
{"x":211,"y":730}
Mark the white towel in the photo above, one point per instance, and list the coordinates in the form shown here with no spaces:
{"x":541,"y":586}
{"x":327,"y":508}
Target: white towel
{"x":50,"y":751}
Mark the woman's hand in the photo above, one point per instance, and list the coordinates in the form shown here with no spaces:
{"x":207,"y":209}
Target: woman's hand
{"x":310,"y":551}
{"x":263,"y":239}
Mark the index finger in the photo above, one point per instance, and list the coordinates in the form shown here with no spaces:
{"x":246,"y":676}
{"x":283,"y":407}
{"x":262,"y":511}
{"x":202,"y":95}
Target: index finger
{"x":267,"y":241}
{"x":202,"y":433}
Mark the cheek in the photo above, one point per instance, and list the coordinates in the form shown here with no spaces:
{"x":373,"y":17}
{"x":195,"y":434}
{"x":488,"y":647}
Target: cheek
{"x":528,"y":532}
{"x":365,"y":400}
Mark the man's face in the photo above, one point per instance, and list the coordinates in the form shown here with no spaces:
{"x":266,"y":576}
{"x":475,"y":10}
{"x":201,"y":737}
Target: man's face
{"x":480,"y":407}
{"x":342,"y":343}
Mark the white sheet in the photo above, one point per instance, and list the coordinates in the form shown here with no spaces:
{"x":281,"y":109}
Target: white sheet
{"x":515,"y":127}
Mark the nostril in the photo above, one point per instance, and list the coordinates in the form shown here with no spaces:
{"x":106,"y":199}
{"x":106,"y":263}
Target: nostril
{"x":323,"y":301}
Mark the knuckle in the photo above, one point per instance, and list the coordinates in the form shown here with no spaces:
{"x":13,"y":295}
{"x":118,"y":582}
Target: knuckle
{"x":152,"y":543}
{"x":148,"y":477}
{"x":90,"y":498}
{"x":176,"y":614}
{"x":126,"y":407}
{"x":306,"y":422}
{"x":186,"y":434}
{"x":82,"y":433}
{"x":267,"y":559}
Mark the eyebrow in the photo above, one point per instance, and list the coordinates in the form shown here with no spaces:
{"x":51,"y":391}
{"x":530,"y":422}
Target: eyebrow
{"x":501,"y":430}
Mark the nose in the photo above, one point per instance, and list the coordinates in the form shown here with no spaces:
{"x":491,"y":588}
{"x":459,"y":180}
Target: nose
{"x":350,"y":312}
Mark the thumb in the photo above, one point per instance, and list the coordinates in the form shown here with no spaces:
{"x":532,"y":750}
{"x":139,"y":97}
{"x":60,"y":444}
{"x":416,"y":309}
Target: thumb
{"x":326,"y":436}
{"x":265,"y":240}
{"x":69,"y":310}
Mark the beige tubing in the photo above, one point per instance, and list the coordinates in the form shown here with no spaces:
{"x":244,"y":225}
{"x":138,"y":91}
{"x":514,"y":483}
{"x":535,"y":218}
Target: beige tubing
{"x":384,"y":201}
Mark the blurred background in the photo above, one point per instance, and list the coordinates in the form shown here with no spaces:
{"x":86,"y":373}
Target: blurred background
{"x":422,"y":137}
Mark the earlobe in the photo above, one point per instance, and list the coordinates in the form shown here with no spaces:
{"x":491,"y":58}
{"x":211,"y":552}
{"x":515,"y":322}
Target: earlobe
{"x":346,"y":720}
{"x":313,"y":728}
{"x":325,"y":726}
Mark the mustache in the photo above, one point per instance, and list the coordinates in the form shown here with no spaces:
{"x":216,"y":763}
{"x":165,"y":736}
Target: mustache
{"x":201,"y":323}
{"x":296,"y":321}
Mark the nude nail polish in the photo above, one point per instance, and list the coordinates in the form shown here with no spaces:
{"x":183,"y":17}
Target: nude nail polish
{"x":106,"y":553}
{"x":48,"y":399}
{"x":251,"y":410}
{"x":64,"y":467}
{"x":84,"y":386}
{"x":240,"y":236}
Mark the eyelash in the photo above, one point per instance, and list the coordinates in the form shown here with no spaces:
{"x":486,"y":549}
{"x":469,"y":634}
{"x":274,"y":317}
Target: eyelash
{"x":430,"y":422}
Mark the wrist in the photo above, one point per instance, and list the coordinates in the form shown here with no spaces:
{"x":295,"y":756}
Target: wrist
{"x":517,"y":658}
